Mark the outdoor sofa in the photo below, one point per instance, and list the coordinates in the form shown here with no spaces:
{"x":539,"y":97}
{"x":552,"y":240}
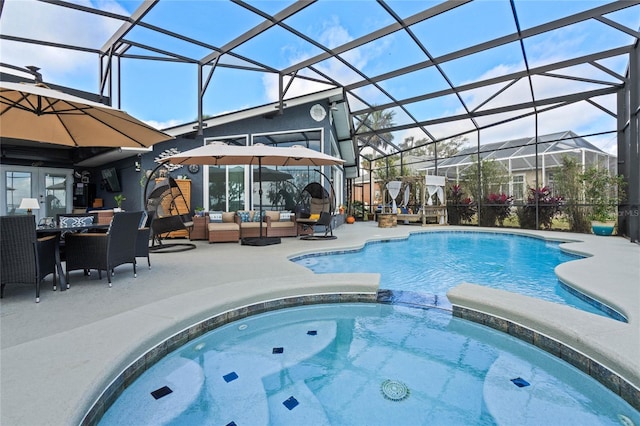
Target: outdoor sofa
{"x":232,"y":226}
{"x":281,"y":224}
{"x":223,"y":227}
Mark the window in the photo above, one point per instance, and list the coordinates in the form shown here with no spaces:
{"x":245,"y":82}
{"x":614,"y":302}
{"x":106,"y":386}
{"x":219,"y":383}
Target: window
{"x":517,"y":187}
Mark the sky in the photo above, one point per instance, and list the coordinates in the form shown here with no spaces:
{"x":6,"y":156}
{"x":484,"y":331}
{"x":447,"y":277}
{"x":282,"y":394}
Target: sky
{"x":165,"y":94}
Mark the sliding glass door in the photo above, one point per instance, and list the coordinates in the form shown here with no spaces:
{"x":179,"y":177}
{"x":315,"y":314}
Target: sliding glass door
{"x":51,"y":187}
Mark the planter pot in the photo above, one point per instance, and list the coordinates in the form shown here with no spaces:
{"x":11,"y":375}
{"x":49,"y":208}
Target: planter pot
{"x":117,"y":209}
{"x":602,"y":228}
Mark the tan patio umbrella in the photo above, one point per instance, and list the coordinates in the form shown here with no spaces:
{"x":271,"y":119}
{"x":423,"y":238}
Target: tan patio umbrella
{"x":220,"y":154}
{"x":38,"y":113}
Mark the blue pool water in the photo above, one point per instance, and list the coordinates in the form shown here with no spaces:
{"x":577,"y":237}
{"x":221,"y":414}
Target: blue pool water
{"x":435,"y":262}
{"x":364,"y":364}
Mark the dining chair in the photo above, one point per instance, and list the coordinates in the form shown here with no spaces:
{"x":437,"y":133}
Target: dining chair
{"x":142,"y":240}
{"x":104,"y":252}
{"x":25,"y":259}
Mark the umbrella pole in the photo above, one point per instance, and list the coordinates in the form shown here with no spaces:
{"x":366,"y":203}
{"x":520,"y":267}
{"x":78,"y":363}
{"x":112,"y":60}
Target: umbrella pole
{"x":260,"y":190}
{"x":261,"y":241}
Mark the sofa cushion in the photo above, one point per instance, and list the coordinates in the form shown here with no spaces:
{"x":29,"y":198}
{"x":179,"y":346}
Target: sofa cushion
{"x":273,"y":215}
{"x":228,"y":217}
{"x":245,"y":225}
{"x":215,"y":217}
{"x":281,"y":224}
{"x":318,"y":205}
{"x":221,"y":226}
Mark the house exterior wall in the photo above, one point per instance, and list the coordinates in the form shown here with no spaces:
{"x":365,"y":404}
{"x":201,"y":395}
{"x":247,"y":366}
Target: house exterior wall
{"x":293,"y":119}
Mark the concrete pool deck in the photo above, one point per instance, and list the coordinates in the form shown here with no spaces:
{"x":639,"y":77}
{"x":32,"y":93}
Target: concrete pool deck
{"x":56,"y":357}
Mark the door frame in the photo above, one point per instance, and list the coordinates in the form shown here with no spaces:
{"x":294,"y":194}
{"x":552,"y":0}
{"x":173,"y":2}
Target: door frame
{"x":38,"y":187}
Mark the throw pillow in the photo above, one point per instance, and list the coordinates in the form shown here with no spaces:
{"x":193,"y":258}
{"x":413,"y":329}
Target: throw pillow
{"x":256,"y":216}
{"x":314,"y":216}
{"x":75,"y":221}
{"x":285,"y":216}
{"x":215,"y":217}
{"x":228,"y":217}
{"x":143,"y":219}
{"x":244,"y":215}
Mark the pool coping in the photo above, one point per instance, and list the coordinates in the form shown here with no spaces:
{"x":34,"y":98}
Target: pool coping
{"x":73,"y":344}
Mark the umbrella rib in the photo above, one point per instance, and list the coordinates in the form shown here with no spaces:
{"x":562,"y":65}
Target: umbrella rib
{"x":88,"y":112}
{"x":17,"y":104}
{"x":64,"y":125}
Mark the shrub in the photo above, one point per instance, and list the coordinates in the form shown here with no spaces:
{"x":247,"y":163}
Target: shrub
{"x":496,"y":208}
{"x":548,"y":208}
{"x":459,"y":208}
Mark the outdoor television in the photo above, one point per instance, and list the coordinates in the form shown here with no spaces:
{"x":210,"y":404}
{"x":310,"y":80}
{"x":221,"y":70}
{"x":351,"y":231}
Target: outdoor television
{"x":110,"y":180}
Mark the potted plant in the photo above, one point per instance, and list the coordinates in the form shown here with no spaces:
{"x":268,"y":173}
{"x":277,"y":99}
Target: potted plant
{"x":602,"y":192}
{"x":199,"y":211}
{"x":356,"y":211}
{"x":118,"y":199}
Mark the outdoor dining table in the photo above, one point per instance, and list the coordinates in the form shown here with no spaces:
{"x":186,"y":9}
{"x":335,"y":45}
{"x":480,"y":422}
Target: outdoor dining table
{"x":45,"y":231}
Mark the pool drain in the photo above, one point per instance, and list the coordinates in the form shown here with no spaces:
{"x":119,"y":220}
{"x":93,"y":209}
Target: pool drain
{"x":394,"y":390}
{"x":625,"y":421}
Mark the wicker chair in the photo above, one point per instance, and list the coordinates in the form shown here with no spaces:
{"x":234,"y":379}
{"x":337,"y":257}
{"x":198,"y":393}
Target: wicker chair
{"x":142,"y":240}
{"x":105,"y":251}
{"x":326,"y":221}
{"x":25,"y":258}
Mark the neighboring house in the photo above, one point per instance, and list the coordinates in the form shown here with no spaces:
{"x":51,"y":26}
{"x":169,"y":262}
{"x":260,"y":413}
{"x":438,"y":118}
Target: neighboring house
{"x":518,"y":159}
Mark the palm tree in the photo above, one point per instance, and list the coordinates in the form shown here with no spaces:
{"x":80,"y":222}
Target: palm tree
{"x":424,"y":147}
{"x":374,"y":121}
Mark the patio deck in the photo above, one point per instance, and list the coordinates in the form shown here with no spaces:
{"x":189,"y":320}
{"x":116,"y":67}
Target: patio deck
{"x":56,"y":357}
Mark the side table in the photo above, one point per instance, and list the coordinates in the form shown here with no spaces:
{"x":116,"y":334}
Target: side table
{"x":200,"y":229}
{"x":387,"y":220}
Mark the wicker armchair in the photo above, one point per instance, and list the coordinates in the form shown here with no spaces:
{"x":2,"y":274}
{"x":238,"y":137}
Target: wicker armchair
{"x":142,"y":240}
{"x":105,"y":251}
{"x":25,"y":258}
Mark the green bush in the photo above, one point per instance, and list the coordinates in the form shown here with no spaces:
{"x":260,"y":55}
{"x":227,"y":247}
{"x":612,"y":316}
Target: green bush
{"x":548,"y":207}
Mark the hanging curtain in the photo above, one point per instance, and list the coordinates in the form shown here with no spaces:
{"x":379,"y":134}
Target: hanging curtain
{"x":435,"y":189}
{"x":405,"y":200}
{"x":394,"y":189}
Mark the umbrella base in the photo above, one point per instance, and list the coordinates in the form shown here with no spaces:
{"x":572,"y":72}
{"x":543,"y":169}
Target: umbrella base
{"x":260,"y":241}
{"x":318,"y":237}
{"x":172,"y":248}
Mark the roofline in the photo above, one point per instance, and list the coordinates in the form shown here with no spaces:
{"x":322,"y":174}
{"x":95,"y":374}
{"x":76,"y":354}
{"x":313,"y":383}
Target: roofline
{"x":336,"y":94}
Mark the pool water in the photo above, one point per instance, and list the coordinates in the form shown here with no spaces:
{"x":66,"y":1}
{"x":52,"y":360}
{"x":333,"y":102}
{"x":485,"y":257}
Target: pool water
{"x":364,"y":364}
{"x":435,"y":262}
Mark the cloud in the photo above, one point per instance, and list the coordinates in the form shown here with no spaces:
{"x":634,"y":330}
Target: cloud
{"x":46,"y":22}
{"x":333,"y":34}
{"x":161,"y":125}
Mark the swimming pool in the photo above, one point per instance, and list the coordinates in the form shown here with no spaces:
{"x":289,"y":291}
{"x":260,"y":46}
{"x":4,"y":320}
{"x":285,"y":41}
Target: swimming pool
{"x":435,"y":262}
{"x":354,"y":364}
